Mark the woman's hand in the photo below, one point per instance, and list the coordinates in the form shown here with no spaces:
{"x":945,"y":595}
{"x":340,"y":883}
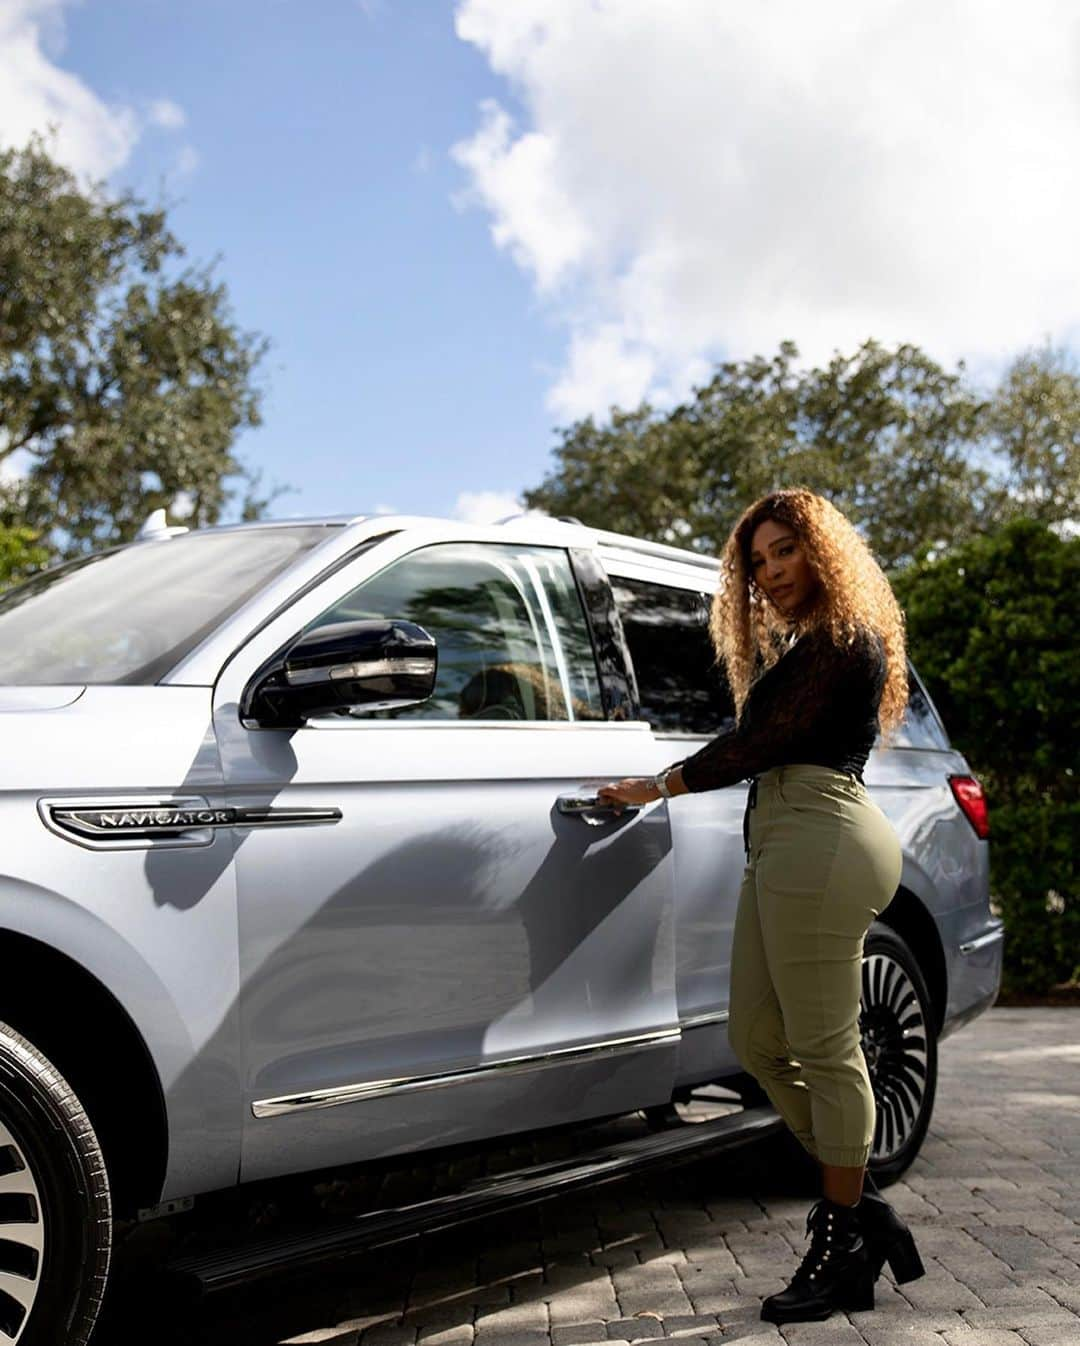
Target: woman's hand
{"x":632,"y":790}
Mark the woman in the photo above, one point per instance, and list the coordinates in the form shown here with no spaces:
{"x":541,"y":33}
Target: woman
{"x":812,"y":640}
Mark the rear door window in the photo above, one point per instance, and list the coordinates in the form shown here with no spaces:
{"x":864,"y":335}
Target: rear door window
{"x":681,"y":689}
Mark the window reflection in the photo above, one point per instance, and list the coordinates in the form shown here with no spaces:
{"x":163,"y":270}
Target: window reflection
{"x":681,"y":689}
{"x":491,"y":609}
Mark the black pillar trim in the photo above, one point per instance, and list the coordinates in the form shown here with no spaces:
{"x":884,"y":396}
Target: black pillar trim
{"x":618,"y":686}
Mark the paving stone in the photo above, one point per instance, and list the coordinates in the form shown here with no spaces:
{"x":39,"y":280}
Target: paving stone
{"x":689,"y":1323}
{"x":1018,"y":1317}
{"x":987,"y":1337}
{"x":874,"y":1323}
{"x":1052,"y":1334}
{"x":938,"y":1289}
{"x":390,"y":1334}
{"x":635,"y":1329}
{"x":455,"y":1334}
{"x":594,"y":1301}
{"x":324,"y":1336}
{"x":531,"y":1315}
{"x":1012,"y":1295}
{"x":580,"y":1334}
{"x":993,"y":1200}
{"x":878,"y":1335}
{"x":835,"y":1329}
{"x":498,"y":1335}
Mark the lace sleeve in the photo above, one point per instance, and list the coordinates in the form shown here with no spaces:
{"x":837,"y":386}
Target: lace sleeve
{"x":793,"y":701}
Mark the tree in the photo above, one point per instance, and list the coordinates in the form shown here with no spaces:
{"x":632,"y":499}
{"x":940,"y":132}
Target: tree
{"x":1032,"y":430}
{"x":21,"y":553}
{"x":914,"y":456}
{"x":124,"y":383}
{"x":993,"y":628}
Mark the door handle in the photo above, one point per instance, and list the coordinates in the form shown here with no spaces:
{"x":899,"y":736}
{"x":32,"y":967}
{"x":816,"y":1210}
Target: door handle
{"x":587,"y":807}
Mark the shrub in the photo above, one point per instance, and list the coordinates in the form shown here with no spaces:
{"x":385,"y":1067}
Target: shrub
{"x":992,"y":628}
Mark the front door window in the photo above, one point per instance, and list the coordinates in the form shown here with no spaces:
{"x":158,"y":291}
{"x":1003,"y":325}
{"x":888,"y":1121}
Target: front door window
{"x":491,"y":610}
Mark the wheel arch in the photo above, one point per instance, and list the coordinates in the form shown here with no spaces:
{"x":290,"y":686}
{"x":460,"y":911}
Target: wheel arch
{"x":101,"y":1054}
{"x":910,"y":918}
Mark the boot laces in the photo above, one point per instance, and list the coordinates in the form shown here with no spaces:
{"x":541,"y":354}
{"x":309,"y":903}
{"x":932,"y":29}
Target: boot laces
{"x":831,"y":1237}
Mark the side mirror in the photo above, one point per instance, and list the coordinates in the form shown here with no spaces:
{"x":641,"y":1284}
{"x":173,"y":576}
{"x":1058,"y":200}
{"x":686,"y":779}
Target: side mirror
{"x":379,"y":665}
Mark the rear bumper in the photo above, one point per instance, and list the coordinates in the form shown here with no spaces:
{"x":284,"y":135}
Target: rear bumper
{"x":974,"y":975}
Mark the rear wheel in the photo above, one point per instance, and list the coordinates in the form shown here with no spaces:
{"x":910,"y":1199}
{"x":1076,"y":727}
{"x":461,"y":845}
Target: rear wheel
{"x":900,"y":1045}
{"x":55,"y":1214}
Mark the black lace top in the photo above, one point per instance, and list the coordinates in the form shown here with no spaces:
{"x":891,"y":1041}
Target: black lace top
{"x":818,"y":704}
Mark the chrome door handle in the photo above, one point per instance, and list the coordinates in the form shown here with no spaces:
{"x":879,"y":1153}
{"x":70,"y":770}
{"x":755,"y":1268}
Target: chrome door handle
{"x":587,"y":807}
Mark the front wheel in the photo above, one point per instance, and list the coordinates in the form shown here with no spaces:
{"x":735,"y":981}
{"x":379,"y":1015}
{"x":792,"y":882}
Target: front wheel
{"x":900,"y":1045}
{"x":55,"y":1213}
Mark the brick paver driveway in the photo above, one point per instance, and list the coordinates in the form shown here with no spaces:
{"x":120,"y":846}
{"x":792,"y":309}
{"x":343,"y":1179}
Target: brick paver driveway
{"x":993,"y":1201}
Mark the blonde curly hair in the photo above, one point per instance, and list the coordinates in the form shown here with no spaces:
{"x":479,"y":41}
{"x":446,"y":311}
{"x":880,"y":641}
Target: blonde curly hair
{"x":853,"y":595}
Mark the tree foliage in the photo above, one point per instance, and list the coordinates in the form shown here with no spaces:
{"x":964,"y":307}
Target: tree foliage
{"x":21,"y":553}
{"x":124,"y":383}
{"x":913,"y":454}
{"x":994,"y":629}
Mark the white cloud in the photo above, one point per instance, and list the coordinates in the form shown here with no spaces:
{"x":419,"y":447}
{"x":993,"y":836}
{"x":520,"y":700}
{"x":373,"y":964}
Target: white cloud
{"x":693,"y":179}
{"x":165,"y":113}
{"x":187,"y":161}
{"x":93,"y":138}
{"x":486,"y":506}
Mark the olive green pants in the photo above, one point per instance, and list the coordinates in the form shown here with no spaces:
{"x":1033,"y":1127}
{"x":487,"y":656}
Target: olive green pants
{"x":823,"y":861}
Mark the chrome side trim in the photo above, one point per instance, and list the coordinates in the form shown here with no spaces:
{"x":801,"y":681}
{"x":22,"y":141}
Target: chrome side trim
{"x":701,"y":1020}
{"x":991,"y":936}
{"x":513,"y":1065}
{"x":284,"y":817}
{"x":358,"y":671}
{"x":191,"y":821}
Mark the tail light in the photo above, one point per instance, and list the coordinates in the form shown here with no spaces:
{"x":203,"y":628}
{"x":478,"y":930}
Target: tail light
{"x":969,"y":795}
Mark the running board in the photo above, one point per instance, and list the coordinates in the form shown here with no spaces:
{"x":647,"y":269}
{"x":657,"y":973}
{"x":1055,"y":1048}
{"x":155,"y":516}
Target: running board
{"x":205,"y":1273}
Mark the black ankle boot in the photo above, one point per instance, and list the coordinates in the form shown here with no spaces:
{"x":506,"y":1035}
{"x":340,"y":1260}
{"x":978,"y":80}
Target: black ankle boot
{"x":834,"y":1274}
{"x":886,"y":1236}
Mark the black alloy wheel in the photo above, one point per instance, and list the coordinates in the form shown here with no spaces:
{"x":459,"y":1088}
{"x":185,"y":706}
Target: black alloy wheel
{"x":899,"y":1042}
{"x":55,"y":1210}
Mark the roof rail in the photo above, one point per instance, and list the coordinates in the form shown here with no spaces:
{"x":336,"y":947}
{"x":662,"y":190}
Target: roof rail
{"x":661,"y":550}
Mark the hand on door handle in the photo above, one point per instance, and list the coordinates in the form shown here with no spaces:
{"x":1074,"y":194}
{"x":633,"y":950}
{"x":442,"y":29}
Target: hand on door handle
{"x":588,"y":807}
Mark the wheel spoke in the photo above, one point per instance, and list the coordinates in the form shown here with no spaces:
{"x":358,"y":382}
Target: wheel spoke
{"x":22,"y":1238}
{"x":892,"y":1022}
{"x":22,"y":1289}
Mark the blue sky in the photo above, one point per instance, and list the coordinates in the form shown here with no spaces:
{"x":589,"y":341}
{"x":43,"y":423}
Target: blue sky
{"x":407,"y":358}
{"x":464,"y":224}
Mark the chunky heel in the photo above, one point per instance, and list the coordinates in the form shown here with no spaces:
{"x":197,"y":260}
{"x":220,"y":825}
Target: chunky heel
{"x":904,"y":1259}
{"x":887,"y":1237}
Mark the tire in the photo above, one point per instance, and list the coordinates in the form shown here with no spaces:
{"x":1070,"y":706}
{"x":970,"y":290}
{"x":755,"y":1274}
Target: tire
{"x":899,"y":1041}
{"x":55,"y":1209}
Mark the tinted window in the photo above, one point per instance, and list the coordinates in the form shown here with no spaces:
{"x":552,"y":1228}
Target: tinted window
{"x":130,"y":614}
{"x":491,"y":610}
{"x":920,"y":727}
{"x":681,"y":689}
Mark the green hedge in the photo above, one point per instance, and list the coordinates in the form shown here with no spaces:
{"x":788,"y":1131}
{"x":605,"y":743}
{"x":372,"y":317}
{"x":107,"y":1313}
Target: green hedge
{"x":993,"y":630}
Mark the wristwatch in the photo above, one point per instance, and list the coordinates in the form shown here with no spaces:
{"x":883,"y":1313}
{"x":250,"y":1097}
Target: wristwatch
{"x":660,"y":781}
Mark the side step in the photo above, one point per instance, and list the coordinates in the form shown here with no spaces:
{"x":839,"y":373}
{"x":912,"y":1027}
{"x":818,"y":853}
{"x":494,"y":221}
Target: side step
{"x":205,"y":1273}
